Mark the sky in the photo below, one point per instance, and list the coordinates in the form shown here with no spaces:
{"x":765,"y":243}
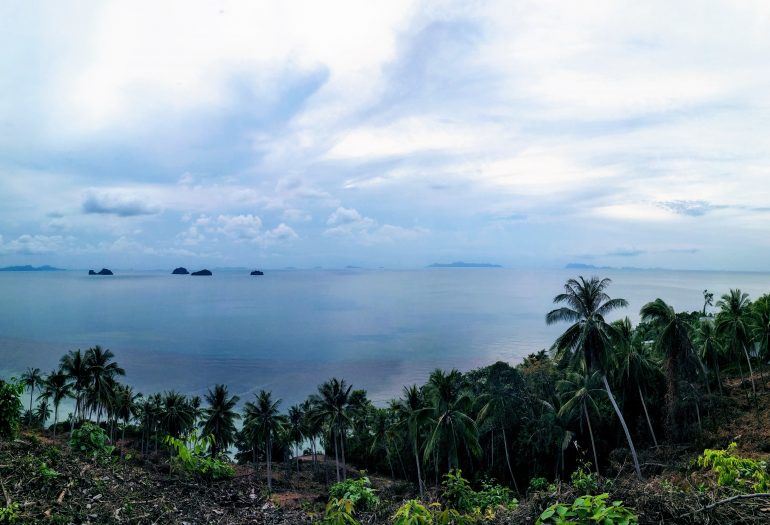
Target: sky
{"x":394,"y":133}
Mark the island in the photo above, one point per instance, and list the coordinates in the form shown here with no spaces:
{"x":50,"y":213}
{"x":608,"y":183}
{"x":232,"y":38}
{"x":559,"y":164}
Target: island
{"x":30,"y":268}
{"x":180,"y":271}
{"x":257,"y":272}
{"x":103,"y":271}
{"x":461,"y":264}
{"x":202,"y":272}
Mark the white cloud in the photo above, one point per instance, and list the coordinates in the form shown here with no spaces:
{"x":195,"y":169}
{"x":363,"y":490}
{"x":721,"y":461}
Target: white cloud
{"x":348,"y":222}
{"x":117,"y":202}
{"x":34,"y":244}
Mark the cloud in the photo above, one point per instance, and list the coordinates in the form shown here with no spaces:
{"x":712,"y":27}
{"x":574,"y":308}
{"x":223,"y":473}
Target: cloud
{"x":348,"y":222}
{"x":626,"y":252}
{"x":118,"y":203}
{"x":690,"y":208}
{"x":34,"y":244}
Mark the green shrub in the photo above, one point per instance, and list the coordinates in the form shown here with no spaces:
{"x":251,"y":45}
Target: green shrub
{"x":588,"y":510}
{"x":735,"y":471}
{"x":10,"y":408}
{"x":457,"y":493}
{"x":92,"y":440}
{"x":46,"y":472}
{"x":359,"y":491}
{"x":413,"y":512}
{"x":193,"y":460}
{"x":339,"y":511}
{"x":585,"y":481}
{"x":539,"y":484}
{"x":9,"y":514}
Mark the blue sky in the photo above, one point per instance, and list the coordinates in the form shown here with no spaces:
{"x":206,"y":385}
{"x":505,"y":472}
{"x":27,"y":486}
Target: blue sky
{"x":151,"y":135}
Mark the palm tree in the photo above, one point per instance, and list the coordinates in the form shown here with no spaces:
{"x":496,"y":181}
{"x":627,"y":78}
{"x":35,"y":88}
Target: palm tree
{"x":57,"y":387}
{"x":331,"y":406}
{"x":31,"y":379}
{"x":313,"y":428}
{"x":295,"y":430}
{"x":263,"y":419}
{"x":709,"y":346}
{"x":499,"y":403}
{"x":43,"y":411}
{"x":219,"y":418}
{"x":578,"y":391}
{"x":636,"y":363}
{"x":102,"y":371}
{"x":673,"y":341}
{"x":74,"y":365}
{"x":126,"y":406}
{"x":761,"y":327}
{"x":586,"y":344}
{"x":733,"y":323}
{"x":708,"y":300}
{"x":414,"y":414}
{"x":452,"y":426}
{"x":176,"y":414}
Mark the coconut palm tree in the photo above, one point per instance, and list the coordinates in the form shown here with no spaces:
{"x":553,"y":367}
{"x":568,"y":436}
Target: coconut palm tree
{"x":709,"y":346}
{"x":331,"y":406}
{"x":733,"y":322}
{"x":219,"y":418}
{"x":102,"y":371}
{"x":673,"y":341}
{"x":414,"y":415}
{"x":760,"y":327}
{"x":587,"y":343}
{"x":262,"y":418}
{"x":57,"y":387}
{"x":313,"y":428}
{"x":499,"y":404}
{"x":43,"y":411}
{"x":74,"y":364}
{"x":636,"y":362}
{"x":176,"y":414}
{"x":31,"y":379}
{"x":578,"y":392}
{"x":295,"y":430}
{"x":708,"y":300}
{"x":126,"y":406}
{"x":452,"y":426}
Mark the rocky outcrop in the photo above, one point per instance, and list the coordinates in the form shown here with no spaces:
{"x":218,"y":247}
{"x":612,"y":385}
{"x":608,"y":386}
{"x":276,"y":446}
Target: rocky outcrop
{"x":257,"y":272}
{"x":202,"y":272}
{"x":180,"y":271}
{"x":103,"y":271}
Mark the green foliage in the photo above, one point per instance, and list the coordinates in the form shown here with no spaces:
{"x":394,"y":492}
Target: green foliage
{"x":46,"y":472}
{"x":192,"y":458}
{"x":458,"y":494}
{"x":540,"y":484}
{"x":9,"y":514}
{"x":735,"y":471}
{"x":587,"y":510}
{"x":585,"y":481}
{"x":91,"y":440}
{"x":339,"y":511}
{"x":10,"y":408}
{"x":413,"y":512}
{"x":359,"y":491}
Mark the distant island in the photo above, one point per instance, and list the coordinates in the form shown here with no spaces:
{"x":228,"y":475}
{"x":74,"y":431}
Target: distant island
{"x":180,"y":271}
{"x":29,"y":268}
{"x":583,"y":266}
{"x":461,"y":264}
{"x":202,"y":272}
{"x":257,"y":272}
{"x":103,"y":271}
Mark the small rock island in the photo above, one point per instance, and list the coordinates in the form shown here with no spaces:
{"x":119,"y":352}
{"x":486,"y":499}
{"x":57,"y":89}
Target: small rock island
{"x":180,"y":271}
{"x":257,"y":272}
{"x":202,"y":272}
{"x":103,"y":271}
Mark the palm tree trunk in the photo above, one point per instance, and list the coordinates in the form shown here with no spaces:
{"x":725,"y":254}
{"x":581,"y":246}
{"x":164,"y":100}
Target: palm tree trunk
{"x":268,"y":457}
{"x":508,"y":460}
{"x":647,"y":415}
{"x":719,"y":377}
{"x":29,"y":417}
{"x":591,"y":435}
{"x":344,"y":464}
{"x":623,"y":424}
{"x":751,"y":372}
{"x":336,"y":455}
{"x":55,"y":418}
{"x":697,"y":413}
{"x":417,"y":462}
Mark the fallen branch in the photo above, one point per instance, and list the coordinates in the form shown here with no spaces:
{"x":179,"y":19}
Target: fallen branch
{"x":728,"y":500}
{"x":5,"y":493}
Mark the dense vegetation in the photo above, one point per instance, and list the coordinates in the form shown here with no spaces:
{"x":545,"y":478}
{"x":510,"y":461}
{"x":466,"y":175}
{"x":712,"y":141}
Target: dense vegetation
{"x":604,"y":393}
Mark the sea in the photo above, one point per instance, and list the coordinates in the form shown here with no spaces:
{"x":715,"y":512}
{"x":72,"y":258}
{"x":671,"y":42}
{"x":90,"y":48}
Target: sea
{"x":289,"y":330}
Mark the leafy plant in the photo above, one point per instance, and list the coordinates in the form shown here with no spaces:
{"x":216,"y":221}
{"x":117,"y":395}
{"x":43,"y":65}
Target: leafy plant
{"x":584,"y":480}
{"x":413,"y":512}
{"x":735,"y":471}
{"x":339,"y":511}
{"x":587,"y":510}
{"x":46,"y":472}
{"x":91,"y":440}
{"x":10,"y":408}
{"x":192,"y":458}
{"x":359,"y":491}
{"x":9,"y":514}
{"x":538,"y":484}
{"x":458,"y":493}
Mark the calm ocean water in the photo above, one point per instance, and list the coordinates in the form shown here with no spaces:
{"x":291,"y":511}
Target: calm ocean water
{"x":289,"y":330}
